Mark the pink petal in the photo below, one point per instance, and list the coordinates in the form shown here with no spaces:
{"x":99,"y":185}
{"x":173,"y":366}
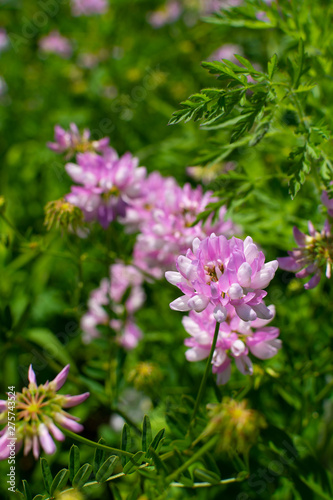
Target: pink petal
{"x":60,"y":379}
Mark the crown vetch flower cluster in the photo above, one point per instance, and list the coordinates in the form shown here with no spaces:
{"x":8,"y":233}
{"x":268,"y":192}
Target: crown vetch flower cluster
{"x":108,"y":184}
{"x":165,"y":216}
{"x":222,"y":272}
{"x":55,"y":43}
{"x":89,"y":7}
{"x":313,"y":255}
{"x":4,"y":39}
{"x":167,"y":14}
{"x":236,"y":339}
{"x":71,"y":141}
{"x":119,"y":316}
{"x":38,"y":411}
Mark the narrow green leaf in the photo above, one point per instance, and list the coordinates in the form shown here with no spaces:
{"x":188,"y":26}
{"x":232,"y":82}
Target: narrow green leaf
{"x":207,"y":476}
{"x":160,"y":466}
{"x":74,"y":461}
{"x":26,"y":490}
{"x":82,"y":475}
{"x":134,"y":462}
{"x":156,"y":441}
{"x":47,"y":476}
{"x":99,"y":457}
{"x":44,"y":337}
{"x":106,"y":470}
{"x":135,"y":493}
{"x":39,"y":497}
{"x":125,"y":442}
{"x":59,"y":481}
{"x":116,"y":492}
{"x":146,"y":433}
{"x":272,"y":65}
{"x":299,"y":64}
{"x":186,"y":480}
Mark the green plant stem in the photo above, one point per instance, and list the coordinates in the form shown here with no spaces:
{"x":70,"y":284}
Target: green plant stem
{"x":205,"y":376}
{"x":11,"y":225}
{"x":206,"y":447}
{"x":93,"y":444}
{"x":206,"y":485}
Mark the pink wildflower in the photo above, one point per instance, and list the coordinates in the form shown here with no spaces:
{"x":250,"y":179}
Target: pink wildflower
{"x":236,"y":339}
{"x":222,"y":272}
{"x":107,"y":307}
{"x":72,"y":141}
{"x":227,"y":51}
{"x":165,"y":217}
{"x":328,"y":202}
{"x":89,"y":7}
{"x":38,"y":410}
{"x":212,"y":6}
{"x":56,"y":44}
{"x":109,"y":184}
{"x":4,"y":40}
{"x":313,"y":255}
{"x":168,"y":14}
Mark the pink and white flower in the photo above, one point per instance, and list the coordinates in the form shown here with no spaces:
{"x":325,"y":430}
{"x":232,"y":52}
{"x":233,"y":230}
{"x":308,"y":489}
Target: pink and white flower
{"x":236,"y":340}
{"x":71,"y":141}
{"x":165,"y":216}
{"x":107,"y":306}
{"x":221,"y":272}
{"x":109,"y":184}
{"x":168,"y":14}
{"x":313,"y":255}
{"x":89,"y":7}
{"x":38,"y":410}
{"x":56,"y":44}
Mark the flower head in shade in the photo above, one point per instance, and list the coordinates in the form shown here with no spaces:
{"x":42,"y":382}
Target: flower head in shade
{"x":109,"y":184}
{"x":72,"y":141}
{"x":313,"y":255}
{"x":236,"y":340}
{"x":89,"y":7}
{"x":38,"y":411}
{"x":168,"y":14}
{"x":113,"y":305}
{"x":56,"y":44}
{"x":220,"y":272}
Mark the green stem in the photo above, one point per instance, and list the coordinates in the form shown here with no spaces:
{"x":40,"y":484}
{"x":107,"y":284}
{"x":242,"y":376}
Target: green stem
{"x":205,"y":376}
{"x":93,"y":444}
{"x":11,"y":225}
{"x":206,"y":447}
{"x":206,"y":485}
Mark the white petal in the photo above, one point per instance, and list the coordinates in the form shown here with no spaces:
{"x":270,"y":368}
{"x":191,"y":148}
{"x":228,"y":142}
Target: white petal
{"x":173,"y":277}
{"x":181,"y":304}
{"x":198,"y":302}
{"x":196,"y":354}
{"x":244,"y":274}
{"x":235,"y":291}
{"x":220,"y":313}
